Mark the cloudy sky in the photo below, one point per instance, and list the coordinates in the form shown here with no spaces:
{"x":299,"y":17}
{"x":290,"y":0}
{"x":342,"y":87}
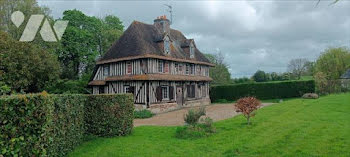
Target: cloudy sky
{"x":251,"y":35}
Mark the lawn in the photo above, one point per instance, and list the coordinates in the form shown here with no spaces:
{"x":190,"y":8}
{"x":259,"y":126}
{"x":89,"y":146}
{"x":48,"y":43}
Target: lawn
{"x":293,"y":128}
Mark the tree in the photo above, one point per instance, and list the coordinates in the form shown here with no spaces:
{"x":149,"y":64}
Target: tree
{"x":28,"y":7}
{"x":259,"y":76}
{"x":297,"y":67}
{"x":85,"y":39}
{"x":219,"y":73}
{"x":330,"y":66}
{"x":26,"y":67}
{"x":247,"y":106}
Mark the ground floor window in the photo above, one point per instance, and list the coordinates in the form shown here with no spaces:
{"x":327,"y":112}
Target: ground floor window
{"x":128,"y":89}
{"x":101,"y":90}
{"x":165,"y":92}
{"x":191,"y":91}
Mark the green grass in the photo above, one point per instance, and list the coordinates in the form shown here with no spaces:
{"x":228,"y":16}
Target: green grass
{"x":300,"y":127}
{"x":142,"y":114}
{"x":306,"y":78}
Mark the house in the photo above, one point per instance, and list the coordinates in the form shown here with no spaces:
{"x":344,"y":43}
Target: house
{"x":345,"y":80}
{"x":159,"y":65}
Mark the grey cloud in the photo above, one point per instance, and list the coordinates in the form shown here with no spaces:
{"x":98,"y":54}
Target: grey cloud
{"x":252,"y":35}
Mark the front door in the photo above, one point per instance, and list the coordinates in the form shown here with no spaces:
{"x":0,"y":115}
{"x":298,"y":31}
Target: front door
{"x":179,"y":95}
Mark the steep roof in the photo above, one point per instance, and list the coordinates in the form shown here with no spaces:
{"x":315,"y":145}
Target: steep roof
{"x":346,"y":75}
{"x":142,"y":39}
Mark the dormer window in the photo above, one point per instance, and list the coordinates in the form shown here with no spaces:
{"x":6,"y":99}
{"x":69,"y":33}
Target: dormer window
{"x":192,"y":49}
{"x":166,"y":45}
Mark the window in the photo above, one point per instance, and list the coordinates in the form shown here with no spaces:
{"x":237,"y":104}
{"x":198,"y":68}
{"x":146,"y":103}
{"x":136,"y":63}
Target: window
{"x":106,"y":70}
{"x":126,"y":88}
{"x":166,"y":45}
{"x":192,"y":50}
{"x":143,"y":64}
{"x":180,"y":67}
{"x":129,"y":68}
{"x":165,"y":92}
{"x":176,"y":68}
{"x":206,"y":71}
{"x":101,"y":90}
{"x":160,"y":66}
{"x":192,"y":69}
{"x":166,"y":67}
{"x":187,"y":69}
{"x":191,"y":91}
{"x":129,"y":89}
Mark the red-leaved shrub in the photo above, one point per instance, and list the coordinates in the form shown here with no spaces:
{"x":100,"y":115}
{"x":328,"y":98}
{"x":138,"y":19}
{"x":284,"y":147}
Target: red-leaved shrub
{"x":247,"y":106}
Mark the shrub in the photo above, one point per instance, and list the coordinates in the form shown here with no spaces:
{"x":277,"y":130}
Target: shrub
{"x":268,"y":90}
{"x":26,"y":122}
{"x":52,"y":125}
{"x":247,"y":106}
{"x":199,"y":130}
{"x":143,"y":114}
{"x":192,"y":117}
{"x":109,"y":115}
{"x":68,"y":123}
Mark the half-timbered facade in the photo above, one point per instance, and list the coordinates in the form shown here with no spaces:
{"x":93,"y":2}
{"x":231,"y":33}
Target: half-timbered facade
{"x":159,"y":65}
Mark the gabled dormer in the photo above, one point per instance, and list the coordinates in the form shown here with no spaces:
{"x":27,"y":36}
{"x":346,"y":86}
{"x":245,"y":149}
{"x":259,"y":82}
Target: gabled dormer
{"x":192,"y":50}
{"x":167,"y":43}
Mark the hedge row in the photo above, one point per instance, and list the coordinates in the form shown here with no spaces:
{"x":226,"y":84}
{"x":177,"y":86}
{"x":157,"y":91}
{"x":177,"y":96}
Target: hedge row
{"x":52,"y":125}
{"x":268,"y":90}
{"x":104,"y":118}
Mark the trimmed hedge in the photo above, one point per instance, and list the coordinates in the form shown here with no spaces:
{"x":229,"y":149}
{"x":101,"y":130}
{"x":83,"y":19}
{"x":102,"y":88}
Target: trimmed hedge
{"x":109,"y":115}
{"x":53,"y":125}
{"x":268,"y":90}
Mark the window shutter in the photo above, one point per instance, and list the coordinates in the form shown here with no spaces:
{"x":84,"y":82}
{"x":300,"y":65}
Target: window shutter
{"x":159,"y":93}
{"x":171,"y":92}
{"x":193,"y":91}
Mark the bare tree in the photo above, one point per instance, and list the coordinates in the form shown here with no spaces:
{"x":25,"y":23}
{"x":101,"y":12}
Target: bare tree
{"x":297,"y":66}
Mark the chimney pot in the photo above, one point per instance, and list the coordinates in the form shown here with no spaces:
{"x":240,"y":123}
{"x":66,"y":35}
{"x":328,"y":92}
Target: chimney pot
{"x":162,"y":24}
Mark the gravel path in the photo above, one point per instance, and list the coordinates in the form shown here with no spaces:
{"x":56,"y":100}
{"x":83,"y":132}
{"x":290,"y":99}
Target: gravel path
{"x":175,"y":118}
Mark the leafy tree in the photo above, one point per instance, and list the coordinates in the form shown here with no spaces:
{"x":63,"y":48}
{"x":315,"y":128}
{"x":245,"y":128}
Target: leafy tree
{"x":297,"y":67}
{"x":259,"y":76}
{"x":28,"y":7}
{"x":329,"y":67}
{"x":247,"y":106}
{"x":86,"y":38}
{"x":26,"y":67}
{"x":219,"y":73}
{"x":242,"y":80}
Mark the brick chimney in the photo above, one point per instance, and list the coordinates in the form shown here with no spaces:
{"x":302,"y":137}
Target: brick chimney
{"x":162,"y":24}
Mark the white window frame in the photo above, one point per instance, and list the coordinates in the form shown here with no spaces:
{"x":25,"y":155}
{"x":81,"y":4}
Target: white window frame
{"x":160,"y":66}
{"x":166,"y":45}
{"x":165,"y":92}
{"x":126,"y":88}
{"x":187,"y":69}
{"x":192,"y":50}
{"x":176,"y":68}
{"x":192,"y":69}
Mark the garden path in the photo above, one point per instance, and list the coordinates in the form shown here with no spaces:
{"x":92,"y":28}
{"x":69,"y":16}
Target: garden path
{"x":175,"y":118}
